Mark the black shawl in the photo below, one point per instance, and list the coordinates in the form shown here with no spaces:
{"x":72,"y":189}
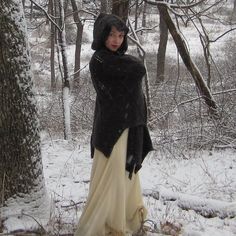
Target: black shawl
{"x":120,"y":104}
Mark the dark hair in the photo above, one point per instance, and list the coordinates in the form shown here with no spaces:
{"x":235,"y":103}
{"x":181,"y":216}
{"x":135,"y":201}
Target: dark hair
{"x":102,"y":29}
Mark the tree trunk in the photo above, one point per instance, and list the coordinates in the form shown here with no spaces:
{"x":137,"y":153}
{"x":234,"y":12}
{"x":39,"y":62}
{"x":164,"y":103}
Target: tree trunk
{"x":183,"y":51}
{"x":78,"y":44}
{"x":21,"y":171}
{"x":136,"y":15}
{"x":121,"y":9}
{"x":52,"y":53}
{"x":144,"y":14}
{"x":65,"y":82}
{"x":31,"y":11}
{"x":104,"y":6}
{"x":161,"y":54}
{"x":234,"y":11}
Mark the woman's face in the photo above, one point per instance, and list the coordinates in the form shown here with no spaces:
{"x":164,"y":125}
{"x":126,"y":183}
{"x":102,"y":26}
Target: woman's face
{"x":115,"y":39}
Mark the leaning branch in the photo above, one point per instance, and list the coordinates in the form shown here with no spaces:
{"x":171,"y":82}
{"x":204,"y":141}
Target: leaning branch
{"x":184,"y":53}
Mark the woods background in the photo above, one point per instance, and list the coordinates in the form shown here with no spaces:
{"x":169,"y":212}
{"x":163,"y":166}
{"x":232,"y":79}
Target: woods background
{"x":188,"y":48}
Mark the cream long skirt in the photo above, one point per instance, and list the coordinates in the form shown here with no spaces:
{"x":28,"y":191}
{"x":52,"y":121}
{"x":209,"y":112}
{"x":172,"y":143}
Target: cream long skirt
{"x":114,"y":205}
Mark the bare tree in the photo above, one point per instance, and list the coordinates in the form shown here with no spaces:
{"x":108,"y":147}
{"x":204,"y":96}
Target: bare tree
{"x":161,"y":53}
{"x":65,"y":73}
{"x":183,"y":51}
{"x":234,"y":11}
{"x":136,"y":14}
{"x":78,"y":43}
{"x":144,"y":14}
{"x":121,"y":8}
{"x":21,"y":171}
{"x":52,"y":47}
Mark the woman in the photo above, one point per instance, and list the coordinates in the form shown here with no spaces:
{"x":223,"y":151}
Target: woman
{"x":120,"y":138}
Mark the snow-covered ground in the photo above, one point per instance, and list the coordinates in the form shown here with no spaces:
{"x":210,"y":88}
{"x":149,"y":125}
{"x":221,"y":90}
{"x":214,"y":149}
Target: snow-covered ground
{"x":206,"y":175}
{"x":198,"y":176}
{"x":202,"y":175}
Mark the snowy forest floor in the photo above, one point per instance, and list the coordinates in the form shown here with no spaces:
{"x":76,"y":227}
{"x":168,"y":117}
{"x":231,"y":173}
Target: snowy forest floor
{"x":199,"y":175}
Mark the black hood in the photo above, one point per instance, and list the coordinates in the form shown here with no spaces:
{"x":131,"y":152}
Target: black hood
{"x":102,"y":28}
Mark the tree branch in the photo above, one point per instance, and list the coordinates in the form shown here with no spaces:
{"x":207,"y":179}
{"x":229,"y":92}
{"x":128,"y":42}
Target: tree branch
{"x":187,"y":6}
{"x":214,"y":40}
{"x":47,"y":15}
{"x":189,"y":101}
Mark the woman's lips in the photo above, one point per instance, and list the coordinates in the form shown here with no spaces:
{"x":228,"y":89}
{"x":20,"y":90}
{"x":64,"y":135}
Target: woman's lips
{"x":115,"y":46}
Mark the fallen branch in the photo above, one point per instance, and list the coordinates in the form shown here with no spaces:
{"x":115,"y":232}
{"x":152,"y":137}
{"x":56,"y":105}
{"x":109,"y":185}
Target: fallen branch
{"x":208,"y":208}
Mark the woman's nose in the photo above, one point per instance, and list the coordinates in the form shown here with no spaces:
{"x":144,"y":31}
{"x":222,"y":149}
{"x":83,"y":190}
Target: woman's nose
{"x":117,"y":39}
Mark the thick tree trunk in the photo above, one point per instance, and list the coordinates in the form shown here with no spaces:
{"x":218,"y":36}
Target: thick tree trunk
{"x":19,"y":140}
{"x":121,"y":8}
{"x":161,"y":54}
{"x":21,"y":171}
{"x":78,"y":44}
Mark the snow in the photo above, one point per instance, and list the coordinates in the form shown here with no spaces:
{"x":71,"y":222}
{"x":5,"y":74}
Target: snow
{"x":199,"y":175}
{"x":25,"y":214}
{"x":207,"y":175}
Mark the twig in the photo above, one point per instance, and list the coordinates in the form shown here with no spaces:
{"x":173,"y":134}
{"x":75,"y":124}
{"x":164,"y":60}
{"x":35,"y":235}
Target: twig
{"x":47,"y":15}
{"x":79,"y":70}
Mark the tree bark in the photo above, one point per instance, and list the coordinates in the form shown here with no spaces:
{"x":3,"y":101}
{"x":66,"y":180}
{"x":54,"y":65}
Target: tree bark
{"x":104,"y":6}
{"x":65,"y":81}
{"x":136,"y":15}
{"x":78,"y":44}
{"x":21,"y":172}
{"x":31,"y":11}
{"x":144,"y":14}
{"x":234,"y":11}
{"x":161,"y":53}
{"x":52,"y":41}
{"x":121,"y":8}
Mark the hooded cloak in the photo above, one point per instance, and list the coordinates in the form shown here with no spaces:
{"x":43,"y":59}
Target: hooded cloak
{"x":120,"y":102}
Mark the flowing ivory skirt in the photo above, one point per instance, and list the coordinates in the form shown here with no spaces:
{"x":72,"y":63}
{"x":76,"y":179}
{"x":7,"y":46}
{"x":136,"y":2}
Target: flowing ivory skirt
{"x":114,"y":206}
